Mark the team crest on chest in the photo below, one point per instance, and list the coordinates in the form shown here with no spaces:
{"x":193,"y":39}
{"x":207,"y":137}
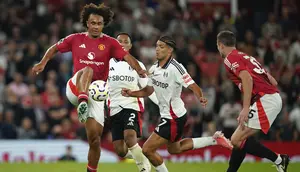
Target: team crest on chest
{"x":101,"y":47}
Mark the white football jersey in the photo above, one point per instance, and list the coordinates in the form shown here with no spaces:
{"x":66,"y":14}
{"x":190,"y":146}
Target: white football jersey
{"x":167,"y":82}
{"x":122,"y":75}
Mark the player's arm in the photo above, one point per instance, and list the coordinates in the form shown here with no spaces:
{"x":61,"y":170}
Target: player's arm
{"x":64,"y":45}
{"x":247,"y":84}
{"x":142,"y":82}
{"x":39,"y":67}
{"x":145,"y":92}
{"x":134,"y":64}
{"x":198,"y":92}
{"x":272,"y":79}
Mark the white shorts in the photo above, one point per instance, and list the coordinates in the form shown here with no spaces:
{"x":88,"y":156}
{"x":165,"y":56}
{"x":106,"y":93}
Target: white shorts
{"x":95,"y":108}
{"x":264,"y":112}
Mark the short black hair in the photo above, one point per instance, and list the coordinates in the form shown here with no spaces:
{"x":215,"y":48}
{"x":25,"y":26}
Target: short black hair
{"x":227,"y":38}
{"x":100,"y":10}
{"x":124,"y":33}
{"x":169,"y":41}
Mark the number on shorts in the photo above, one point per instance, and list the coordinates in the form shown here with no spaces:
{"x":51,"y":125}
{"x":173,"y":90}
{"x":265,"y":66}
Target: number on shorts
{"x":131,"y":118}
{"x":258,"y":69}
{"x":250,"y":115}
{"x":163,"y":121}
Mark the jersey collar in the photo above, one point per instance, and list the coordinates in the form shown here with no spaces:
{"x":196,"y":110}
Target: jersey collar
{"x":165,"y":66}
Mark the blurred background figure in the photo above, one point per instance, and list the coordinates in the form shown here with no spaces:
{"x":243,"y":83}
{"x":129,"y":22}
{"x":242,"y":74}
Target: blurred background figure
{"x":68,"y":156}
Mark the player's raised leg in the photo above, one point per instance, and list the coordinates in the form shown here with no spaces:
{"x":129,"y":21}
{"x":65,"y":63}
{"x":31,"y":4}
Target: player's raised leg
{"x":195,"y":143}
{"x":84,"y":79}
{"x":149,"y":150}
{"x":94,"y":131}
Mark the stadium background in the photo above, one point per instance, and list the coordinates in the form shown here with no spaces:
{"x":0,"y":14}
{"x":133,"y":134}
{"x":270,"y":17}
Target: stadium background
{"x":34,"y":109}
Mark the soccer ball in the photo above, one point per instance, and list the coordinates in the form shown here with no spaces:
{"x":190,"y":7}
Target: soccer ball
{"x":98,"y":90}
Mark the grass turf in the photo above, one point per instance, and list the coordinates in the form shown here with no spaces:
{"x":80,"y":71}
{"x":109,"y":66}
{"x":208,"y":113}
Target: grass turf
{"x":130,"y":167}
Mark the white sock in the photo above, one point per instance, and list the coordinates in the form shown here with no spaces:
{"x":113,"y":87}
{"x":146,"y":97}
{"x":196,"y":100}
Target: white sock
{"x":161,"y":168}
{"x":278,"y":160}
{"x":201,"y":142}
{"x":128,"y":155}
{"x":140,"y":159}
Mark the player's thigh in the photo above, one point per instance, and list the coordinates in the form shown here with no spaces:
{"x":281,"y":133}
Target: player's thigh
{"x":93,"y":130}
{"x":96,"y":110}
{"x":71,"y":90}
{"x":153,"y":143}
{"x":132,"y":123}
{"x":117,"y":127}
{"x":264,"y":112}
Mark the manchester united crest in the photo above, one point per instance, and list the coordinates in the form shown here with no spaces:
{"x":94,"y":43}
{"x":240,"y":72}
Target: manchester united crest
{"x":101,"y":47}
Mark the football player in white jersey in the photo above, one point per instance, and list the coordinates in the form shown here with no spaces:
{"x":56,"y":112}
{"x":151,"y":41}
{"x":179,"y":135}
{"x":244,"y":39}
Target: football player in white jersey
{"x":125,"y":112}
{"x":167,"y":78}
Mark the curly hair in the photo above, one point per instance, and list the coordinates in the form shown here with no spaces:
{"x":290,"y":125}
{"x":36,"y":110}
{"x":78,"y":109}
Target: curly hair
{"x":100,"y":10}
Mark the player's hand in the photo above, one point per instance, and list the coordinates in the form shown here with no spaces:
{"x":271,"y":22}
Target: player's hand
{"x":38,"y":68}
{"x":126,"y":92}
{"x":243,"y":117}
{"x":203,"y":101}
{"x":142,"y":73}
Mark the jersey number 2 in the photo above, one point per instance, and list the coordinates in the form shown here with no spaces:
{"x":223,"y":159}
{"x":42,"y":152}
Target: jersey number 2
{"x":258,"y":69}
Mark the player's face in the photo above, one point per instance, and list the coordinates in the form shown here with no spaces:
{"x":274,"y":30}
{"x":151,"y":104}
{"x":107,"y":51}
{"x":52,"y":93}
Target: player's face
{"x":162,"y":50}
{"x":125,"y":41}
{"x":95,"y":25}
{"x":220,"y":49}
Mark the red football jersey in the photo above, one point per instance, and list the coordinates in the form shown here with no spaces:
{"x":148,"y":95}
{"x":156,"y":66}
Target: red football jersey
{"x":94,"y":53}
{"x":237,"y":61}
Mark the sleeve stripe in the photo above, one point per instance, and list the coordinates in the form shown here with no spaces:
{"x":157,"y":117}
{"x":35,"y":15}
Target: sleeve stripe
{"x":180,"y":69}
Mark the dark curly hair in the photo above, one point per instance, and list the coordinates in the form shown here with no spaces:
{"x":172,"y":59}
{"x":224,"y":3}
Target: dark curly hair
{"x":100,"y":10}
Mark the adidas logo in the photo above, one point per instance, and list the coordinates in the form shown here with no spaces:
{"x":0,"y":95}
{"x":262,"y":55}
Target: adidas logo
{"x":111,"y":69}
{"x":130,"y":123}
{"x":143,"y":170}
{"x":82,"y":46}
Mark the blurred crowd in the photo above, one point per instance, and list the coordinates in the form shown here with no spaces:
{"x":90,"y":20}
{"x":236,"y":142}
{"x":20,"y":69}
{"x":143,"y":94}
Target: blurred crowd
{"x":35,"y":107}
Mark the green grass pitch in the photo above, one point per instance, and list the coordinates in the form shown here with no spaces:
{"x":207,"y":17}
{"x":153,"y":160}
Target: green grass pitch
{"x":130,"y":167}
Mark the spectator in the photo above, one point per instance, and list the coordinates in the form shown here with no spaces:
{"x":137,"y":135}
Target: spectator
{"x":68,"y":156}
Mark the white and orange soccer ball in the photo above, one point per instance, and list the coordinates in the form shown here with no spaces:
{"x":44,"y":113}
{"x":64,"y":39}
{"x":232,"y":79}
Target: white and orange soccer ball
{"x":98,"y":90}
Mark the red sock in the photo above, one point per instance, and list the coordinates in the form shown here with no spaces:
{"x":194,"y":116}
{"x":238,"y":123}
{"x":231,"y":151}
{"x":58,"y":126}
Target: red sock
{"x":91,"y":168}
{"x":82,"y":97}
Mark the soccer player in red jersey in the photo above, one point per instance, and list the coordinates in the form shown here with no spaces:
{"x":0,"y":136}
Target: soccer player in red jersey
{"x":261,"y":103}
{"x":91,"y":52}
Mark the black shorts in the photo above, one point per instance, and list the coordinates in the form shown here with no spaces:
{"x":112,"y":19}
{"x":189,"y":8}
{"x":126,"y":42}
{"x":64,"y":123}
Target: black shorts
{"x":171,"y":129}
{"x":125,"y":119}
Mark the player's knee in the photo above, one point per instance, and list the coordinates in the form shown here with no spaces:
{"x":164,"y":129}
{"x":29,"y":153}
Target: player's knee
{"x":94,"y":141}
{"x":88,"y":69}
{"x":174,"y":151}
{"x":130,"y":140}
{"x":235,"y":141}
{"x":121,"y":152}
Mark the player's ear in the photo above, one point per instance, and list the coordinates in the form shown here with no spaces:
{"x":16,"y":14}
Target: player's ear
{"x":130,"y":46}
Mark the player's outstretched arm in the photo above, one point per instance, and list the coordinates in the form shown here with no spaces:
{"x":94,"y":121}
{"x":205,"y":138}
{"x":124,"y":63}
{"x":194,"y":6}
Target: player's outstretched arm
{"x":198,"y":92}
{"x":135,"y":65}
{"x":145,"y":92}
{"x":272,"y":79}
{"x":39,"y":67}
